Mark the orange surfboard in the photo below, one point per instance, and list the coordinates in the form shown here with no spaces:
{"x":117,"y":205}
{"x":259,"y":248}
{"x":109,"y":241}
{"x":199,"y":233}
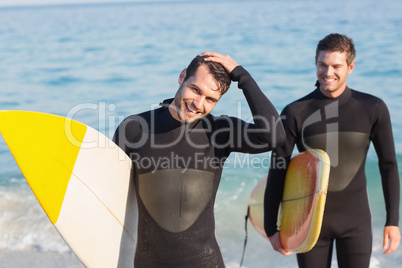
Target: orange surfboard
{"x":303,"y":202}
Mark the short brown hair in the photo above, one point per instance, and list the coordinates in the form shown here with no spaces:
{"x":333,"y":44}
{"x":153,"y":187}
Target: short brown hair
{"x":337,"y":43}
{"x":219,"y":73}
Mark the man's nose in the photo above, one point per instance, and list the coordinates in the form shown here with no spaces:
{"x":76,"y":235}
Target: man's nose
{"x":329,"y":71}
{"x":198,"y":102}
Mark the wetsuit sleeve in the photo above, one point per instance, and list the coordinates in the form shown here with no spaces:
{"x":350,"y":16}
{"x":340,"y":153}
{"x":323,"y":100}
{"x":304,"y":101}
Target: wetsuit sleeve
{"x":280,"y":159}
{"x":383,"y":142}
{"x":267,"y":131}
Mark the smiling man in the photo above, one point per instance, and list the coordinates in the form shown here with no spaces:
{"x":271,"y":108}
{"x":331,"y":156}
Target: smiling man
{"x":178,"y":152}
{"x":343,"y":122}
{"x":196,"y":96}
{"x":333,"y":68}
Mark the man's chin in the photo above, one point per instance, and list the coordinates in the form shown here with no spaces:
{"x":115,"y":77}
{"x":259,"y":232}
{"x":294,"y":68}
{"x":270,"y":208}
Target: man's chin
{"x":191,"y":119}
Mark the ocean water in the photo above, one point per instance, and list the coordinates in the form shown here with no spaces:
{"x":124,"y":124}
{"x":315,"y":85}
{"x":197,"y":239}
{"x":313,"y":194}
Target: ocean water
{"x":100,"y":63}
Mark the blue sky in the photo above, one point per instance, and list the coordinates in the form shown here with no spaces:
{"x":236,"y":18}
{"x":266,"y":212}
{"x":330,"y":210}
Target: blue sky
{"x":53,"y":2}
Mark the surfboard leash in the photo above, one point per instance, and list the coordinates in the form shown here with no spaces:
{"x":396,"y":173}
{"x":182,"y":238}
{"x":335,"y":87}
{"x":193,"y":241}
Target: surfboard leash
{"x":245,"y":236}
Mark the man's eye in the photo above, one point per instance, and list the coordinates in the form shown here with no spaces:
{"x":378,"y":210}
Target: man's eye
{"x":195,"y":90}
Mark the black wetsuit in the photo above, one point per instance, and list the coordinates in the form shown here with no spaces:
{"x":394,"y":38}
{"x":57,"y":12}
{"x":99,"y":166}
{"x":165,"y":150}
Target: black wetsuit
{"x":178,"y":167}
{"x":343,"y":127}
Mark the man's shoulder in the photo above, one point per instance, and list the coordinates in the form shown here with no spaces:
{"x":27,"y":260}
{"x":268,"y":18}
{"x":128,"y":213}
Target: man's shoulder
{"x":219,"y":122}
{"x":144,"y":115}
{"x":300,"y":103}
{"x":220,"y":118}
{"x":366,"y":98}
{"x":363,"y":95}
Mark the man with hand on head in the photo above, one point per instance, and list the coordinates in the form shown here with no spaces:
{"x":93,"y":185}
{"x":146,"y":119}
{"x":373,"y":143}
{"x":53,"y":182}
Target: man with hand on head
{"x":343,"y":122}
{"x":178,"y":151}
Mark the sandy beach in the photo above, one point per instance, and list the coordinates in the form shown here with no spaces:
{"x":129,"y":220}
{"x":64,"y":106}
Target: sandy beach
{"x":32,"y":259}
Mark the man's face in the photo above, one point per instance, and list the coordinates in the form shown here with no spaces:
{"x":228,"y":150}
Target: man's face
{"x":332,"y":72}
{"x":196,"y":97}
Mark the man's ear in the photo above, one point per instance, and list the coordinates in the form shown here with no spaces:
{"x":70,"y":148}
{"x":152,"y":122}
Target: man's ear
{"x":182,"y":76}
{"x":351,"y":67}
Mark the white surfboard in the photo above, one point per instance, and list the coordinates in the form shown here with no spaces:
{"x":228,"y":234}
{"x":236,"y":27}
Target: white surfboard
{"x":82,"y":181}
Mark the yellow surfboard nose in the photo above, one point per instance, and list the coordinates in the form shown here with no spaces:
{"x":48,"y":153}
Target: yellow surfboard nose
{"x":35,"y":139}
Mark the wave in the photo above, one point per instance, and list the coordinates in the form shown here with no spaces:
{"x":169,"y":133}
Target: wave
{"x":23,"y":223}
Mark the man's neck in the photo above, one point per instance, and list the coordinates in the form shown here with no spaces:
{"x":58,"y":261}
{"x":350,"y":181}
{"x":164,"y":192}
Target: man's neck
{"x":173,"y":111}
{"x":333,"y":94}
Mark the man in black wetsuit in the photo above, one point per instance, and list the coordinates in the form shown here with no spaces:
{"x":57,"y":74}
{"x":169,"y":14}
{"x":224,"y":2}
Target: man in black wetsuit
{"x":178,"y":151}
{"x":342,"y":122}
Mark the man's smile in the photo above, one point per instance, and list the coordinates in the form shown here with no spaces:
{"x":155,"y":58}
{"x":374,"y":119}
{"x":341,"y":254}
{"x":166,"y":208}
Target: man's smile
{"x":329,"y":79}
{"x":190,"y":109}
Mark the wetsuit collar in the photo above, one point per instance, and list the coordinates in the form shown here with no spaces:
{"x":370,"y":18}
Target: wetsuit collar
{"x":165,"y":105}
{"x":343,"y":98}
